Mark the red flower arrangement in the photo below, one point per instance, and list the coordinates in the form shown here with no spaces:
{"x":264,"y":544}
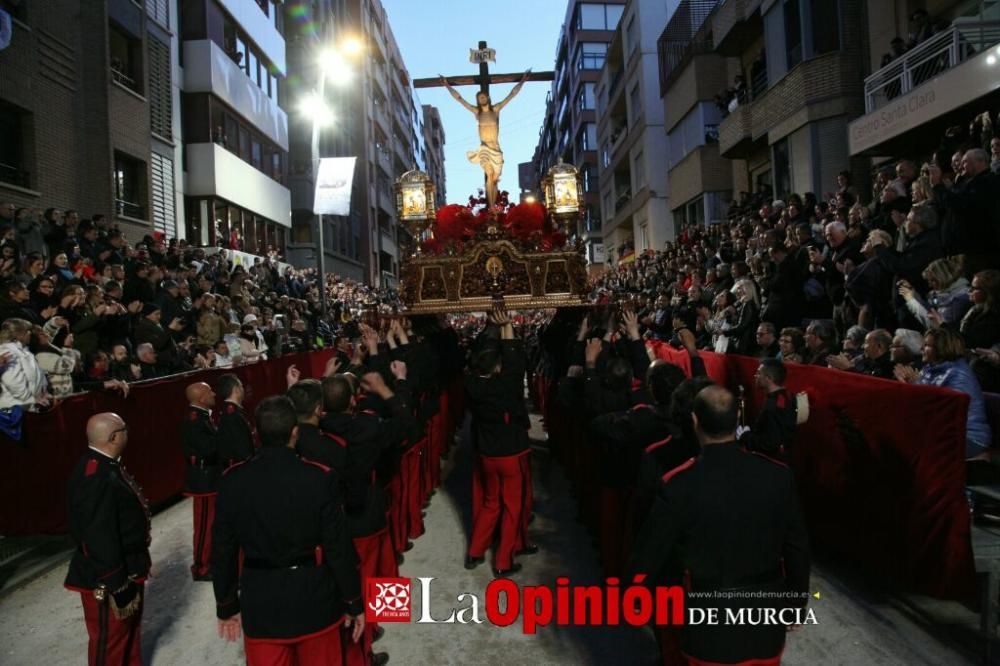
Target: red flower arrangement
{"x":525,"y":222}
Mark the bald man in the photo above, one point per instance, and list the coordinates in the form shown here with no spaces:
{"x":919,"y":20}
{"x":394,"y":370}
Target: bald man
{"x":730,"y":521}
{"x":109,"y":522}
{"x":200,"y":441}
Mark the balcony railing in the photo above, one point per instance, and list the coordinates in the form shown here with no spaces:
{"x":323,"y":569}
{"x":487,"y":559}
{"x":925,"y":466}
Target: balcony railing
{"x":624,"y":196}
{"x":964,"y":39}
{"x":14,"y":176}
{"x":119,"y":76}
{"x":129,"y":209}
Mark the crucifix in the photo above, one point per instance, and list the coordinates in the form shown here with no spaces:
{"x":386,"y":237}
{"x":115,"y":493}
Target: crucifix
{"x":488,"y":155}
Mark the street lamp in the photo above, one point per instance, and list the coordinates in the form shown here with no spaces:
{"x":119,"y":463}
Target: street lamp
{"x":334,"y":66}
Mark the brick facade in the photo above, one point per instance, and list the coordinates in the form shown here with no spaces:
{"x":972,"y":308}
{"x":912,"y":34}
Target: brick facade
{"x":56,"y":70}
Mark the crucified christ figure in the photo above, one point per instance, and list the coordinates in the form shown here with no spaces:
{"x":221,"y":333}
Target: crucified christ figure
{"x":488,"y":156}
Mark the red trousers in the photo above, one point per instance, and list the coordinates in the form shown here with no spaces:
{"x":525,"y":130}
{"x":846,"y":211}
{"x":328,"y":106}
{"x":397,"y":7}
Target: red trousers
{"x":506,"y":500}
{"x":411,"y":475}
{"x":612,"y":537}
{"x":112,"y":641}
{"x":323,"y":648}
{"x":378,"y":559}
{"x":204,"y":517}
{"x":395,"y":512}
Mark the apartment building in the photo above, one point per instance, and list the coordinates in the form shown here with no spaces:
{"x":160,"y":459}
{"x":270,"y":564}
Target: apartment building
{"x":434,"y":149}
{"x":632,"y":139}
{"x":235,"y":125}
{"x":946,"y":76}
{"x":569,"y":130}
{"x":376,"y":120}
{"x":89,"y":111}
{"x":801,"y":61}
{"x":691,"y":76}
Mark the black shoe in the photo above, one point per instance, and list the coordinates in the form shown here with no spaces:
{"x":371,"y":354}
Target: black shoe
{"x":400,"y":559}
{"x":506,"y":573}
{"x":202,"y":578}
{"x":380,"y":659}
{"x":379,"y":633}
{"x":473,"y":562}
{"x":408,"y":547}
{"x":530,"y":549}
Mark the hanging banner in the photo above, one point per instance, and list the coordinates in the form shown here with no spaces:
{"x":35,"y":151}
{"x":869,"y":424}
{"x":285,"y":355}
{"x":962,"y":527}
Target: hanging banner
{"x":333,"y":186}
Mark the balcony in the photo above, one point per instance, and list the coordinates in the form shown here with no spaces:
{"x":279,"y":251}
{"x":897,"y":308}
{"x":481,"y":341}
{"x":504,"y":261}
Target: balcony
{"x":962,"y":41}
{"x":13,"y":175}
{"x":214,"y":171}
{"x":736,"y":23}
{"x":260,"y":29}
{"x":701,"y":170}
{"x":208,"y":69}
{"x":735,"y":136}
{"x":951,"y":69}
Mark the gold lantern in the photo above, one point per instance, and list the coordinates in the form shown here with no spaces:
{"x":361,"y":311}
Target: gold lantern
{"x":415,"y":194}
{"x":563,"y":194}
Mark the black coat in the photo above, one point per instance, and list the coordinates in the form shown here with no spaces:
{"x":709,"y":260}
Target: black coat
{"x":909,"y":264}
{"x":108,"y":522}
{"x":744,"y":332}
{"x":784,"y":296}
{"x":971,"y":224}
{"x":235,"y":435}
{"x":368,"y":439}
{"x":200,"y":443}
{"x":322,"y":447}
{"x":774,"y":428}
{"x":731,"y":519}
{"x":284,"y":514}
{"x":499,"y":415}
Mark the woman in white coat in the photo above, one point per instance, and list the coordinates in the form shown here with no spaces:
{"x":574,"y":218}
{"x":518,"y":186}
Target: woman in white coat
{"x":22,"y":380}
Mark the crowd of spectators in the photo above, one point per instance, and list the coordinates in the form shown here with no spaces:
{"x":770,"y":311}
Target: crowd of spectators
{"x":901,"y":283}
{"x":82,"y":308}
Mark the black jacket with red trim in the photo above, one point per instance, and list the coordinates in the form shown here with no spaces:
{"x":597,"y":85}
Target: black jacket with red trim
{"x":235,"y":434}
{"x":285,"y":514}
{"x":774,"y":428}
{"x":730,"y":520}
{"x":200,"y":444}
{"x":109,"y":522}
{"x":368,"y":438}
{"x":499,"y":413}
{"x":322,"y":447}
{"x":623,"y":438}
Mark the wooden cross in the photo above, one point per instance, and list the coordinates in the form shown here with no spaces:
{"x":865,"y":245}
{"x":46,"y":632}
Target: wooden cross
{"x":484,"y":78}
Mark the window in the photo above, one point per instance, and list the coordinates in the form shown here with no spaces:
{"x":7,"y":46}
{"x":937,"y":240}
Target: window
{"x":13,"y":134}
{"x":126,"y":59}
{"x":632,"y":36}
{"x":591,"y":55}
{"x":793,"y":33}
{"x":589,"y":136}
{"x":129,"y":178}
{"x":781,"y":167}
{"x":160,"y":103}
{"x":162,"y":186}
{"x":605,"y":155}
{"x":644,"y":237}
{"x":593,"y":16}
{"x":824,"y":26}
{"x":585,"y":98}
{"x":639,"y":172}
{"x":635,"y":107}
{"x":609,"y":210}
{"x":159,"y":11}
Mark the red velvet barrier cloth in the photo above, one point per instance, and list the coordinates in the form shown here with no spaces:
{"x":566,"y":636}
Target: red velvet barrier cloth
{"x":33,"y":477}
{"x":880,"y":470}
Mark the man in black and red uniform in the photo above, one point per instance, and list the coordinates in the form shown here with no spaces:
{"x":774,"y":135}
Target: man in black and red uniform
{"x":774,"y":428}
{"x":299,"y":587}
{"x":368,"y":437}
{"x":314,"y":444}
{"x":731,"y":520}
{"x":628,"y":439}
{"x":200,"y":441}
{"x":235,"y":432}
{"x":109,"y":522}
{"x":495,"y":397}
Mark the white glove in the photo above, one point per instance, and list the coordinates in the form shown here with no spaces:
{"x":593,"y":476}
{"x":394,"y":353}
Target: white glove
{"x":741,"y":430}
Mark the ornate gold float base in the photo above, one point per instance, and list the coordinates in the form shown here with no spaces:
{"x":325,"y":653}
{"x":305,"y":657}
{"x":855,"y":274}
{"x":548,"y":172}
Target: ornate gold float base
{"x":491,"y":272}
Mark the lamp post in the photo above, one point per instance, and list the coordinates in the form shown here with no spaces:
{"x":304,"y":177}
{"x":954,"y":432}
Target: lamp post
{"x":334,"y":66}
